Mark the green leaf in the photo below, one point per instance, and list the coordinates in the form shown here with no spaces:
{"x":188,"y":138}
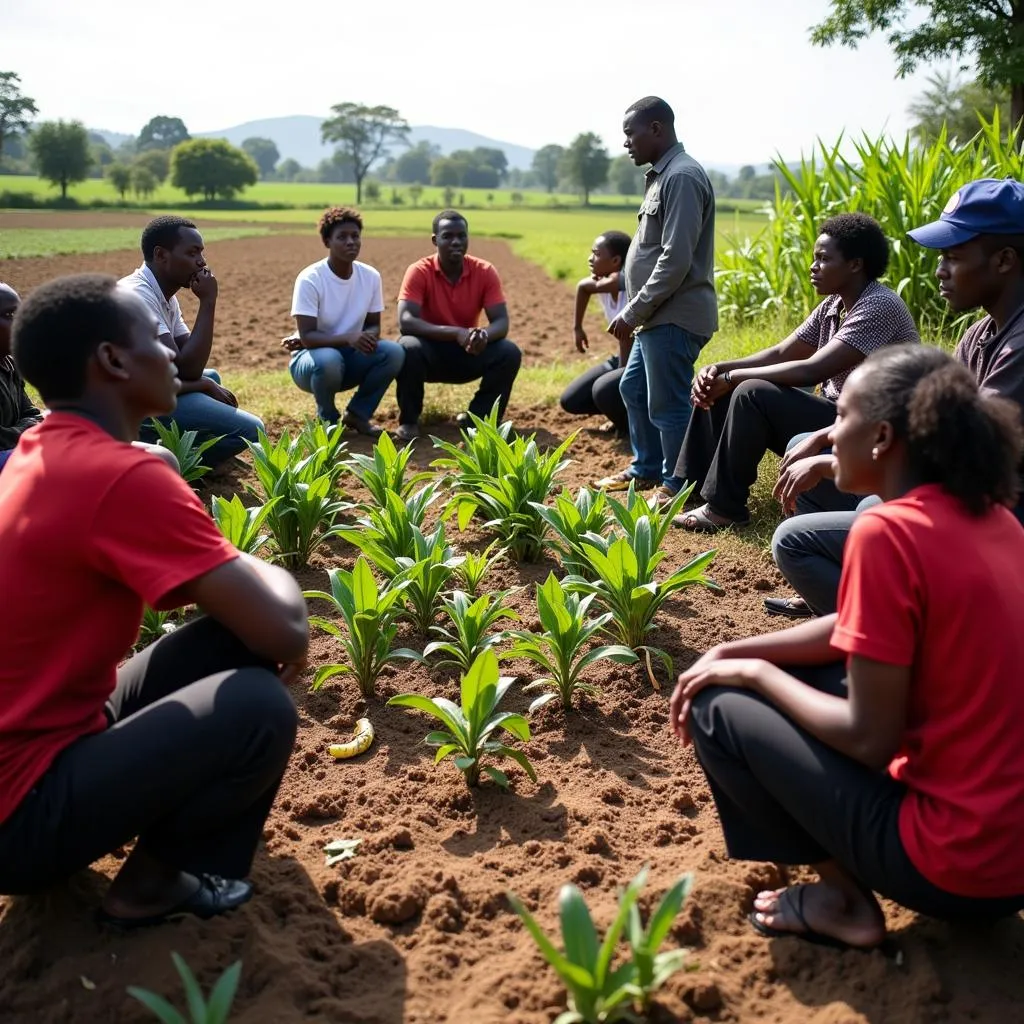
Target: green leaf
{"x":223,"y":994}
{"x":157,"y":1005}
{"x":520,"y":758}
{"x":667,"y":911}
{"x":499,"y":776}
{"x":578,"y":932}
{"x":570,"y":973}
{"x":326,"y":672}
{"x":193,"y":993}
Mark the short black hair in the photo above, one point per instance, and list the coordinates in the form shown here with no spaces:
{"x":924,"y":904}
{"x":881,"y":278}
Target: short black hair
{"x":59,"y":327}
{"x":448,"y":215}
{"x":858,"y":236}
{"x":653,"y":108}
{"x":617,"y":243}
{"x":993,"y":243}
{"x":162,"y":231}
{"x":336,"y":215}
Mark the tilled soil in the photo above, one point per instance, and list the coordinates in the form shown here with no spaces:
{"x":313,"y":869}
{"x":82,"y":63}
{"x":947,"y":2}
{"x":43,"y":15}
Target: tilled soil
{"x":416,"y":928}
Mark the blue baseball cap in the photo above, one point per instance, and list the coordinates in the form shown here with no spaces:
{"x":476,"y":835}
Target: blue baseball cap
{"x":989,"y":206}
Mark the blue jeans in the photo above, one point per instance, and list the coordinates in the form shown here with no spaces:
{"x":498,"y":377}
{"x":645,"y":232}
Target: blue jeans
{"x":210,"y":418}
{"x":323,"y":372}
{"x":656,"y":390}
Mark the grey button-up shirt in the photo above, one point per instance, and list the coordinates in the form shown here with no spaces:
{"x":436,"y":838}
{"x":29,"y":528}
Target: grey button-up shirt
{"x":670,"y":264}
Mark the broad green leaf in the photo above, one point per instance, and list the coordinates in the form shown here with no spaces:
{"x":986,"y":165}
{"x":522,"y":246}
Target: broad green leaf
{"x":578,"y":932}
{"x":193,"y":993}
{"x":570,"y":973}
{"x":499,"y":776}
{"x":667,"y":911}
{"x":157,"y":1005}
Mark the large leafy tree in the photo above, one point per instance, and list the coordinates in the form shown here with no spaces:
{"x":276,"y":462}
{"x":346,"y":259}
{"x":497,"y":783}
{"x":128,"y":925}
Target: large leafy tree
{"x":15,"y":108}
{"x":545,"y":165}
{"x":212,"y":168}
{"x":163,"y":133}
{"x":264,"y":152}
{"x":413,"y":166}
{"x":157,"y":162}
{"x":957,"y":105}
{"x":585,"y":164}
{"x":362,"y":134}
{"x":988,"y":32}
{"x":61,"y":153}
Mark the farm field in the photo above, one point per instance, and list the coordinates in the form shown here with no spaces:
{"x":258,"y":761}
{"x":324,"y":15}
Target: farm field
{"x":415,"y":928}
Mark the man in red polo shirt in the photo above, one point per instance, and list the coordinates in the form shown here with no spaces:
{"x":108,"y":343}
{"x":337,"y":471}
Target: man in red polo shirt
{"x":439,"y":308}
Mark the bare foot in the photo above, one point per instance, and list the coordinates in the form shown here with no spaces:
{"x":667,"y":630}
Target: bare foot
{"x":853,"y":918}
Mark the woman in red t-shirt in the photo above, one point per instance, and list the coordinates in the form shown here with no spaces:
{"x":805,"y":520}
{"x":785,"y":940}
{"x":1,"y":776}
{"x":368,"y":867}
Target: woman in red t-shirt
{"x":899,"y":770}
{"x":180,"y":749}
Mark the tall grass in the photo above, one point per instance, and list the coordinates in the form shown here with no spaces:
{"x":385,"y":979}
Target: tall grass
{"x":902,"y":185}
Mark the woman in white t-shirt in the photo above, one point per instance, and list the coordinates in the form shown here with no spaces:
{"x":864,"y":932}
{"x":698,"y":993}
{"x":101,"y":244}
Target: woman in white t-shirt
{"x":597,"y":390}
{"x":337,"y":346}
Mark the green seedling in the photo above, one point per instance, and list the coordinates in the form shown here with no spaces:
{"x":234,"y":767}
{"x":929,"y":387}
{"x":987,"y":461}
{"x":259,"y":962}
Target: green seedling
{"x":561,"y":650}
{"x":469,"y":730}
{"x":389,"y":530}
{"x":369,"y":614}
{"x":570,"y":519}
{"x":240,"y":525}
{"x":470,"y":621}
{"x":385,"y":471}
{"x":155,"y":625}
{"x":185,"y":448}
{"x":476,"y":565}
{"x":200,"y":1011}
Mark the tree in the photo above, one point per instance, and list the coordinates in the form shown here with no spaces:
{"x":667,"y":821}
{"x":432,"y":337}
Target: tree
{"x":487,"y":156}
{"x":748,"y":172}
{"x":413,"y":166}
{"x":545,"y":165}
{"x":626,"y":178}
{"x":289,"y":169}
{"x":362,"y":132}
{"x":156,"y":161}
{"x":101,"y":153}
{"x":446,"y":171}
{"x":60,"y":150}
{"x":415,"y":191}
{"x":264,"y":152}
{"x":15,"y":108}
{"x":585,"y":164}
{"x":212,"y":167}
{"x":988,"y":32}
{"x":957,"y":105}
{"x":143,"y":181}
{"x":336,"y":169}
{"x":163,"y":133}
{"x":120,"y":176}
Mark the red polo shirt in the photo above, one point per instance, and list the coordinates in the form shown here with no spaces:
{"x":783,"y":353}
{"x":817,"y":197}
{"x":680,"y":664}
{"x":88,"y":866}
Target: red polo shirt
{"x":447,"y":304}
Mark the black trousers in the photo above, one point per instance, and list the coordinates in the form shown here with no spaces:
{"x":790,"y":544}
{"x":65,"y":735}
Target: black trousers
{"x":597,"y":391}
{"x":784,"y":796}
{"x":444,"y":362}
{"x":199,"y":736}
{"x":724,"y":445}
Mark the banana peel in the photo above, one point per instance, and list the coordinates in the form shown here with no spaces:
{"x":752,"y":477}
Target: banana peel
{"x":362,"y":737}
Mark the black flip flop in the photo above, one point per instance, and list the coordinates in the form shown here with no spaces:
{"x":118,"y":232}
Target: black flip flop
{"x":796,"y":905}
{"x":214,"y":896}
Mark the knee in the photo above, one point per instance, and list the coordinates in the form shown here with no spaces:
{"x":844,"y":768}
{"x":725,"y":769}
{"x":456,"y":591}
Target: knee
{"x":250,"y":426}
{"x":412,"y":351}
{"x":392,"y":356}
{"x":213,"y":375}
{"x":329,"y":365}
{"x":511,"y":355}
{"x":257,"y":699}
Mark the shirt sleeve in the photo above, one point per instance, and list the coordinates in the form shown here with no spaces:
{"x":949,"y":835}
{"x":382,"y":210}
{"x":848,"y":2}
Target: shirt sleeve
{"x":878,"y":322}
{"x":377,"y":303}
{"x":305,"y":298}
{"x":880,"y":593}
{"x":809,"y":332}
{"x":152,"y":534}
{"x":683,"y":200}
{"x":493,"y":293}
{"x":414,"y":287}
{"x":1005,"y":376}
{"x":180,"y":327}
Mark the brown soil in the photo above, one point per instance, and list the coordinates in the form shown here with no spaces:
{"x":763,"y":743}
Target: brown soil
{"x":416,"y":928}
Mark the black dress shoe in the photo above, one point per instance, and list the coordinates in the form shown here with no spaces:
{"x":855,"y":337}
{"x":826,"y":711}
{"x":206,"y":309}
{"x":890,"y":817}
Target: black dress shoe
{"x":214,"y":896}
{"x":790,"y":607}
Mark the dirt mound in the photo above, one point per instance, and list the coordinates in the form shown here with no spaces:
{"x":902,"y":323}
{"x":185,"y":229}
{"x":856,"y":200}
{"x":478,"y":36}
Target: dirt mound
{"x":416,"y":927}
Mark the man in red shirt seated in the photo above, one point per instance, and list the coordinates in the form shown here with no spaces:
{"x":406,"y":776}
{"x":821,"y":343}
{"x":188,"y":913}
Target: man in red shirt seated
{"x":439,"y":308}
{"x":182,"y":747}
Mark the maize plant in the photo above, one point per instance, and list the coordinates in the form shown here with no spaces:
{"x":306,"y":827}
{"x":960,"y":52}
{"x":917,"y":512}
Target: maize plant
{"x":185,"y":448}
{"x":385,"y":471}
{"x":200,"y":1011}
{"x":470,"y":621}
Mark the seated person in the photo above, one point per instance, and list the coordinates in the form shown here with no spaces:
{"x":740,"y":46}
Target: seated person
{"x":918,"y":673}
{"x":17,"y":413}
{"x":439,"y":308}
{"x":745,"y":407}
{"x":172,"y":253}
{"x":597,"y":390}
{"x":337,"y":304}
{"x":981,"y":241}
{"x":182,"y":747}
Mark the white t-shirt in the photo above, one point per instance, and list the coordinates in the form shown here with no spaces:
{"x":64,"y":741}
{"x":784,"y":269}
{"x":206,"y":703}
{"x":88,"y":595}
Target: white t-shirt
{"x":340,"y":306}
{"x":166,"y":311}
{"x":613,"y":305}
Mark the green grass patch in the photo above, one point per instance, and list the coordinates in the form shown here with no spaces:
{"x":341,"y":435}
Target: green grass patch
{"x":19,"y":243}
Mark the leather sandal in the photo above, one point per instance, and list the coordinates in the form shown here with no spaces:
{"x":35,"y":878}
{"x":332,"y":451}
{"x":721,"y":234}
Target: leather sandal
{"x":214,"y":896}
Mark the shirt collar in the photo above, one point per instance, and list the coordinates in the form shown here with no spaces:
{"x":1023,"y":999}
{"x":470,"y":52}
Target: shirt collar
{"x":435,"y":263}
{"x":835,"y":307}
{"x":666,"y":158}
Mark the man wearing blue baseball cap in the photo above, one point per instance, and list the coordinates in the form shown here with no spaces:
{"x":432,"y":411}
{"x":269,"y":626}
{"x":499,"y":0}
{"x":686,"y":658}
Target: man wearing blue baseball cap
{"x":980,"y":237}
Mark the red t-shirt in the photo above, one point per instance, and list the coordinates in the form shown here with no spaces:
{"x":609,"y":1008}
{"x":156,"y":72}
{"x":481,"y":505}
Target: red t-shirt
{"x":90,"y":528}
{"x":927,"y":585}
{"x":447,"y":304}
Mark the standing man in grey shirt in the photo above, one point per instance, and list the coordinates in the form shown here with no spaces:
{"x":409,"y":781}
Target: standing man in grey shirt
{"x":671,"y":310}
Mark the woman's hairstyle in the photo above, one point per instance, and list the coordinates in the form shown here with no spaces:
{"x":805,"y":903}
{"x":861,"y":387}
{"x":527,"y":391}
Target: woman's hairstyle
{"x":955,"y":436}
{"x":858,"y":236}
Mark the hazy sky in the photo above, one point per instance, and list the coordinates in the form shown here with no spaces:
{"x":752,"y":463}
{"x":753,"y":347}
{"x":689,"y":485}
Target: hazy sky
{"x":742,"y":75}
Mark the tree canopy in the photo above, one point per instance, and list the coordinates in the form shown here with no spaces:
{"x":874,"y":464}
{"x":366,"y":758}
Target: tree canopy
{"x":15,"y":108}
{"x":212,"y":168}
{"x":264,"y":152}
{"x":585,"y":164}
{"x":362,"y":134}
{"x":61,"y":153}
{"x":162,"y":133}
